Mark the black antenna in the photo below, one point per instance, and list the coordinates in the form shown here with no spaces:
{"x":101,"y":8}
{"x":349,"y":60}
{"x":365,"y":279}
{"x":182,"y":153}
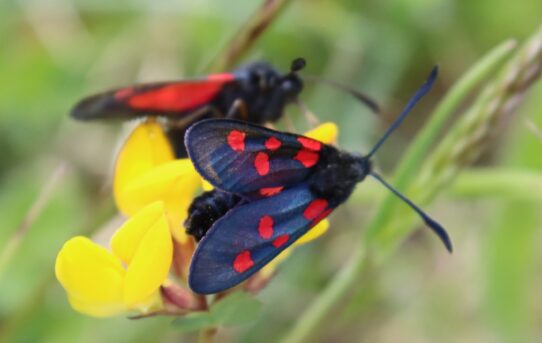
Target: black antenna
{"x":297,"y":64}
{"x":363,"y":98}
{"x":426,"y":87}
{"x":432,"y":224}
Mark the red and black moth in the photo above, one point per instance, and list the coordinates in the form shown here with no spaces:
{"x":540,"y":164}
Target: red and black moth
{"x":271,"y":187}
{"x":256,"y":93}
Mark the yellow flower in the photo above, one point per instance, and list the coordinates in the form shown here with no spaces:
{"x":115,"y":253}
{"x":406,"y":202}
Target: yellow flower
{"x":326,"y":133}
{"x":146,"y":171}
{"x":103,"y":283}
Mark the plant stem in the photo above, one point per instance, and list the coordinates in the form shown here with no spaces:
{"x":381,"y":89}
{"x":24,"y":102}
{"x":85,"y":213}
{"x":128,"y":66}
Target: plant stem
{"x":247,"y":35}
{"x":315,"y":316}
{"x":31,"y":215}
{"x":207,"y":335}
{"x":413,"y":157}
{"x":505,"y":182}
{"x":319,"y":310}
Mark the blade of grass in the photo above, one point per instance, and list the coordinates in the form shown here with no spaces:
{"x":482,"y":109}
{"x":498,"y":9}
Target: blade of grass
{"x":247,"y":35}
{"x":310,"y":321}
{"x":407,"y":169}
{"x":511,"y":183}
{"x":31,"y":215}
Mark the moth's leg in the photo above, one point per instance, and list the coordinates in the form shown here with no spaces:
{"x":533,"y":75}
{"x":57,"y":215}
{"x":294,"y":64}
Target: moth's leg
{"x":309,"y":116}
{"x":205,"y":111}
{"x":238,"y":110}
{"x":288,"y":122}
{"x":177,"y":128}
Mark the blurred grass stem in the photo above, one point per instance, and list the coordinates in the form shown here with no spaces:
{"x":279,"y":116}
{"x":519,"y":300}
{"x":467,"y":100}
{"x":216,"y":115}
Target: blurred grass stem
{"x":310,"y":322}
{"x":248,"y":34}
{"x":31,"y":215}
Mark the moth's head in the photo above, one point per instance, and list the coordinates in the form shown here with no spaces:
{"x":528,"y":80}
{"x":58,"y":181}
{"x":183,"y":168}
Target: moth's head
{"x":363,"y":165}
{"x":267,"y":92}
{"x":259,"y":77}
{"x":290,"y":83}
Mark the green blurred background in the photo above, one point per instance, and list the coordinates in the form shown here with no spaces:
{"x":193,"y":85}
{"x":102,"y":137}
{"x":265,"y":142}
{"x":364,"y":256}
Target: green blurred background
{"x":53,"y":52}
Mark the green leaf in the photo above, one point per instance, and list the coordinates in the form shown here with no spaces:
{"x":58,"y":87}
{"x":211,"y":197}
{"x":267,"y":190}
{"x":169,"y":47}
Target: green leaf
{"x":194,"y":321}
{"x":236,"y":309}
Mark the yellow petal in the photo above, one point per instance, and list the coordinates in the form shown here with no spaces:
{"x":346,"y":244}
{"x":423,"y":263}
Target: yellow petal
{"x":314,"y":233}
{"x":206,"y":185}
{"x":96,"y":310}
{"x":127,"y":239}
{"x":146,"y":148}
{"x":90,"y":275}
{"x":174,"y":183}
{"x":325,"y":133}
{"x":150,"y":264}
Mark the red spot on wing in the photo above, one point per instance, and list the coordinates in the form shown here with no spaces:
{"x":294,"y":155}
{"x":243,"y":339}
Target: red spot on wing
{"x":306,"y":157}
{"x":270,"y":191}
{"x":315,"y":209}
{"x":181,"y":96}
{"x":243,"y":261}
{"x":265,"y":227}
{"x":280,"y":240}
{"x":261,"y":163}
{"x":322,"y":216}
{"x":272,"y":143}
{"x":236,"y":140}
{"x":309,"y":143}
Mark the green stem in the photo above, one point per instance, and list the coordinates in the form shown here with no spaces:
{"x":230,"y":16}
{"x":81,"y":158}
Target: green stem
{"x":31,"y":215}
{"x":317,"y":312}
{"x":509,"y":183}
{"x":207,"y":335}
{"x":407,"y":169}
{"x":247,"y":35}
{"x":315,"y":316}
{"x":477,"y":183}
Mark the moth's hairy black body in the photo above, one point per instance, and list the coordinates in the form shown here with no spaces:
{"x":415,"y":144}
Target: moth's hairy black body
{"x":264,"y":91}
{"x":261,"y":93}
{"x":206,"y":209}
{"x":337,"y":173}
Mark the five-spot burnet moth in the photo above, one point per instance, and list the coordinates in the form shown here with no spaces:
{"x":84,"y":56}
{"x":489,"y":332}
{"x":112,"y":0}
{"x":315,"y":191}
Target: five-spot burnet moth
{"x":256,"y":93}
{"x":280,"y":185}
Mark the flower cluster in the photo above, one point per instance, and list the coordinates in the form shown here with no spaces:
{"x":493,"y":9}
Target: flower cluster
{"x":145,"y":270}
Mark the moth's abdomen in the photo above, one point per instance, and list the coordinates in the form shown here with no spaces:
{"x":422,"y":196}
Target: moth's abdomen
{"x":206,"y":209}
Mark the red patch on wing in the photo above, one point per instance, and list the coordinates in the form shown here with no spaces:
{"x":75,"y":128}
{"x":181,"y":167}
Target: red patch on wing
{"x":180,"y":96}
{"x":272,"y":143}
{"x":236,"y":140}
{"x":261,"y":163}
{"x":321,"y":216}
{"x":243,"y":261}
{"x":315,"y":209}
{"x":270,"y":191}
{"x":280,"y":240}
{"x":310,"y":144}
{"x":265,"y":227}
{"x":307,"y":158}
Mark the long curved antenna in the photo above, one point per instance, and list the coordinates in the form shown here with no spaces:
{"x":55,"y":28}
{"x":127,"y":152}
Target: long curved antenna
{"x":432,"y":224}
{"x":363,"y":98}
{"x":426,"y":87}
{"x":297,"y":64}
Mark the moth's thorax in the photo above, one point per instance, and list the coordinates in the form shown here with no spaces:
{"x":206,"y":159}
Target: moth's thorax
{"x":265,"y":91}
{"x":206,"y":209}
{"x":337,"y":173}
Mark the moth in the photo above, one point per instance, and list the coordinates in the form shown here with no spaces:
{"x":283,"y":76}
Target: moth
{"x":257,"y":93}
{"x":271,"y":187}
